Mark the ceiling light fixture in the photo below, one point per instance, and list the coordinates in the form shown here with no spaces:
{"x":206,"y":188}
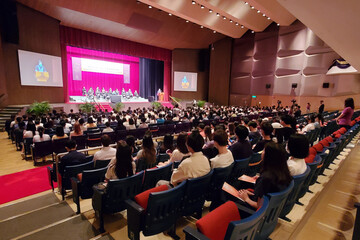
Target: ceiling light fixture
{"x":268,"y":18}
{"x":237,"y":24}
{"x":258,"y":11}
{"x":170,"y":14}
{"x":218,"y":14}
{"x":150,"y":6}
{"x":193,"y":2}
{"x":264,"y":15}
{"x":252,"y":7}
{"x":231,"y":20}
{"x":278,"y":24}
{"x":202,"y":7}
{"x":214,"y":31}
{"x":210,"y":11}
{"x":224,"y":17}
{"x":242,"y":26}
{"x":252,"y":31}
{"x":201,"y":26}
{"x":246,"y":3}
{"x":187,"y":21}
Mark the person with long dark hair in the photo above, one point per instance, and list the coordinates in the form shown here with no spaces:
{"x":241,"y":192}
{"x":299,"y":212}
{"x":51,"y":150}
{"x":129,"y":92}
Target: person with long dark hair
{"x":122,"y":165}
{"x":41,"y":137}
{"x":274,"y":175}
{"x":344,"y":119}
{"x":181,"y":150}
{"x":59,"y":133}
{"x":298,"y":146}
{"x":168,"y":144}
{"x":146,"y":157}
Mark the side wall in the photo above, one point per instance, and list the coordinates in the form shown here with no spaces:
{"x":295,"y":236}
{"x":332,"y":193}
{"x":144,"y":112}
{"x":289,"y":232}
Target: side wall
{"x":37,"y":33}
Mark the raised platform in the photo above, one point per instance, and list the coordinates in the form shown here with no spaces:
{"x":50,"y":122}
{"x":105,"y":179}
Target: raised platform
{"x":84,"y":99}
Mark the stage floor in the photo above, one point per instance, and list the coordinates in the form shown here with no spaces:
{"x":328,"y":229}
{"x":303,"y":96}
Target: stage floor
{"x":84,"y":99}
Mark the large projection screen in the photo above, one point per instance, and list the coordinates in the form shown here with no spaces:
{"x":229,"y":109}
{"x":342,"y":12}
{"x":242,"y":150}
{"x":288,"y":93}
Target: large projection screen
{"x":185,"y":81}
{"x":40,"y":69}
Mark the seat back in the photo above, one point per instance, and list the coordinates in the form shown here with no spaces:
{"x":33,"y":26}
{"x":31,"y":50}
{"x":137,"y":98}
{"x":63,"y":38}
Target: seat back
{"x":72,"y":171}
{"x":254,"y":164}
{"x":245,"y":229}
{"x":152,"y":176}
{"x":239,"y":169}
{"x":89,"y":179}
{"x":162,"y":210}
{"x":119,"y":190}
{"x":140,"y":132}
{"x":308,"y":179}
{"x":162,"y":157}
{"x":293,"y":196}
{"x":120,"y":135}
{"x":42,"y":149}
{"x":195,"y":193}
{"x":80,"y":141}
{"x":218,"y":178}
{"x":59,"y":145}
{"x":102,"y":163}
{"x":276,"y":204}
{"x":112,"y":136}
{"x":94,"y":140}
{"x":27,"y":144}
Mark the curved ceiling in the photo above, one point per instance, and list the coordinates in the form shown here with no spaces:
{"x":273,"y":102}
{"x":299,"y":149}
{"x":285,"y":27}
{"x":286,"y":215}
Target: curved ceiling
{"x":163,"y":23}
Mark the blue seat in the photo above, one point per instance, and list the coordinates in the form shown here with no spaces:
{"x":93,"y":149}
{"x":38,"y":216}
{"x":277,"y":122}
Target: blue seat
{"x":276,"y":204}
{"x":293,"y":196}
{"x":239,"y":169}
{"x":254,"y":164}
{"x":160,"y":215}
{"x":41,"y":149}
{"x":305,"y":187}
{"x":113,"y":199}
{"x":152,"y":176}
{"x":101,"y":163}
{"x":195,"y":193}
{"x":162,"y":157}
{"x":84,"y":187}
{"x":218,"y":178}
{"x":242,"y":229}
{"x":58,"y":145}
{"x":80,"y":141}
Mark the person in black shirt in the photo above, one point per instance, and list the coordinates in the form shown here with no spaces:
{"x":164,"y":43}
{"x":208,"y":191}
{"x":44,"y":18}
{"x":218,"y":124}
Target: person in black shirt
{"x":266,"y":131}
{"x":322,"y":106}
{"x":241,"y":149}
{"x":254,"y":134}
{"x":73,"y":157}
{"x":283,"y":134}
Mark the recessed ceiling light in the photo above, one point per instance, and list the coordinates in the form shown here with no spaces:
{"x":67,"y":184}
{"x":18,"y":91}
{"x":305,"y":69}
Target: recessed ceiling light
{"x":218,"y":14}
{"x":252,"y":31}
{"x":224,"y":17}
{"x":237,"y":24}
{"x":268,"y":18}
{"x":202,"y":7}
{"x":210,"y":11}
{"x":214,"y":31}
{"x":246,"y":3}
{"x":187,"y":21}
{"x":264,"y":15}
{"x":170,"y":14}
{"x":278,"y":24}
{"x":150,"y":6}
{"x":242,"y":26}
{"x":193,"y":2}
{"x":201,"y":26}
{"x":258,"y":11}
{"x":231,"y":20}
{"x":252,"y":7}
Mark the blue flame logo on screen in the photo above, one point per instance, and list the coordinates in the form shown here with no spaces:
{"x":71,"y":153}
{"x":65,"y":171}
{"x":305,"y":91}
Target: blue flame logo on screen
{"x":185,"y":83}
{"x":40,"y":72}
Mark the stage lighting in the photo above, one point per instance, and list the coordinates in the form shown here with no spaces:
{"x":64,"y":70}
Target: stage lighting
{"x":237,"y":24}
{"x":224,"y":17}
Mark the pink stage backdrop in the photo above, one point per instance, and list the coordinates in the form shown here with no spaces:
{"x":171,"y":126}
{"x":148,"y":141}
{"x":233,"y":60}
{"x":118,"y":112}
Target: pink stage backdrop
{"x":78,"y":79}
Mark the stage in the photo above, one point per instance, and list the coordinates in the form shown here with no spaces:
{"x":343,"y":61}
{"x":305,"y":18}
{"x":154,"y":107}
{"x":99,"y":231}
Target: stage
{"x":84,"y":99}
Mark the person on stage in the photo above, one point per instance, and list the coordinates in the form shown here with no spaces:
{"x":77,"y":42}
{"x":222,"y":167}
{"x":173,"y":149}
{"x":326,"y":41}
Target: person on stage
{"x":84,"y":91}
{"x":136,"y":95}
{"x":110,"y":92}
{"x":130,"y":93}
{"x":117,"y":92}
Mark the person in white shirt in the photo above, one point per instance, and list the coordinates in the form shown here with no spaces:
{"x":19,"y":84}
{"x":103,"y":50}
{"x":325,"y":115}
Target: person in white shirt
{"x":108,"y":129}
{"x":180,"y":152}
{"x":225,"y":157}
{"x":298,"y":146}
{"x":41,"y":137}
{"x":310,"y":126}
{"x":106,"y":152}
{"x":143,"y":123}
{"x":131,"y":124}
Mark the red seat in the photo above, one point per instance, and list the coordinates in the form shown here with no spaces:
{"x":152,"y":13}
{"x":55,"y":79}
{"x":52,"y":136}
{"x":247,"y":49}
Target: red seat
{"x":329,"y":139}
{"x":342,"y":130}
{"x":312,"y":151}
{"x":310,"y":158}
{"x":324,"y":143}
{"x":142,"y":198}
{"x":215,"y":223}
{"x":337,"y":135}
{"x":318,"y":147}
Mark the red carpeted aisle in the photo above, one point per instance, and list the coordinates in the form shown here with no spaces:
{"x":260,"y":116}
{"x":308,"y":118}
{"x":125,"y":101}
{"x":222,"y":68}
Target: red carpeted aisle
{"x":23,"y":184}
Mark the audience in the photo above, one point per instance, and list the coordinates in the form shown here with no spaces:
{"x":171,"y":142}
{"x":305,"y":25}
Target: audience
{"x":254,"y":134}
{"x":108,"y":129}
{"x":224,"y":157}
{"x":77,"y":130}
{"x":146,"y":157}
{"x":242,"y":148}
{"x":298,"y":147}
{"x":122,"y":165}
{"x":168,"y":144}
{"x":266,"y":132}
{"x":106,"y":153}
{"x":41,"y":137}
{"x":59,"y":133}
{"x":73,"y":157}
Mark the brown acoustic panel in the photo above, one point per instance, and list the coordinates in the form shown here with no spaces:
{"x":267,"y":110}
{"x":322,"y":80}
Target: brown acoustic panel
{"x":241,"y":85}
{"x":143,"y":22}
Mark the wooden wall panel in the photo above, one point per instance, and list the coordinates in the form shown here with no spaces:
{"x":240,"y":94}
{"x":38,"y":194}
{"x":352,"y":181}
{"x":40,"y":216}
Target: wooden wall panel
{"x":220,"y":69}
{"x":187,"y":60}
{"x":37,"y":33}
{"x":3,"y":100}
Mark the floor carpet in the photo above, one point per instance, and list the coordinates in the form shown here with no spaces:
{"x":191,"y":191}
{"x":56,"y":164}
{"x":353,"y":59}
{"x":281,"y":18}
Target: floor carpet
{"x":22,"y":184}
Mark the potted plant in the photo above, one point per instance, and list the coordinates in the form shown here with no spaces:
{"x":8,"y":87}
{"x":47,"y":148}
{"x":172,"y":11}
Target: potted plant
{"x":156,"y":105}
{"x":201,"y":103}
{"x":39,"y":108}
{"x":175,"y":100}
{"x":87,"y":107}
{"x":119,"y":106}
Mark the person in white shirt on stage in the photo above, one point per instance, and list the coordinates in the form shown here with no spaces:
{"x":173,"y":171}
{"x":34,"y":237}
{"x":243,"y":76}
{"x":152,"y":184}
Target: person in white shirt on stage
{"x":106,"y":152}
{"x":298,"y":147}
{"x":225,"y":157}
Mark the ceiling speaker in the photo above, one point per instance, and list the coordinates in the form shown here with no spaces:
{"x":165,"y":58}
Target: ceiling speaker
{"x":326,"y":85}
{"x":294,"y":85}
{"x":268,"y":86}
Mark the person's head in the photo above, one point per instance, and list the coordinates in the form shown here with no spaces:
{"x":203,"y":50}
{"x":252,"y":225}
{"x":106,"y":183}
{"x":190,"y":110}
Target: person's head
{"x":107,"y":124}
{"x":31,"y":127}
{"x":220,"y":139}
{"x":321,"y":101}
{"x":81,"y":121}
{"x":201,"y":126}
{"x":105,"y":140}
{"x":275,"y":163}
{"x":77,"y":128}
{"x":131,"y":121}
{"x":208,"y":133}
{"x":59,"y":131}
{"x":62,"y":123}
{"x":231,"y":127}
{"x":298,"y":146}
{"x":168,"y":141}
{"x":286,"y":120}
{"x":312,"y":118}
{"x":123,"y":166}
{"x":252,"y":125}
{"x":130,"y":140}
{"x":195,"y":142}
{"x":267,"y":128}
{"x":143,"y":120}
{"x":241,"y":132}
{"x":245,"y":121}
{"x":41,"y":131}
{"x":148,"y":148}
{"x":90,"y":120}
{"x":181,"y":143}
{"x":70,"y":145}
{"x":349,"y":102}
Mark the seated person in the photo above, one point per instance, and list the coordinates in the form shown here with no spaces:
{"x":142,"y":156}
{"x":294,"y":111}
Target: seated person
{"x":106,"y":152}
{"x":311,"y":124}
{"x":143,"y":123}
{"x":161,"y":119}
{"x":130,"y":140}
{"x":242,"y":148}
{"x":254,"y":135}
{"x":108,"y":129}
{"x":90,"y":123}
{"x":30,"y":130}
{"x":77,"y":131}
{"x":168,"y":144}
{"x":274,"y":175}
{"x":197,"y":165}
{"x":284,"y":133}
{"x":181,"y":150}
{"x":146,"y":157}
{"x":225,"y":157}
{"x":120,"y":126}
{"x":73,"y":157}
{"x":122,"y":165}
{"x":298,"y":147}
{"x":59,"y":133}
{"x":41,"y":137}
{"x":266,"y":132}
{"x":82,"y":124}
{"x":131,"y":124}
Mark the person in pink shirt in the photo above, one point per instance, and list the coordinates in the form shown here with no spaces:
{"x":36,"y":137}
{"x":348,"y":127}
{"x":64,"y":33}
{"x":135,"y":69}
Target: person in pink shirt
{"x":345,"y":117}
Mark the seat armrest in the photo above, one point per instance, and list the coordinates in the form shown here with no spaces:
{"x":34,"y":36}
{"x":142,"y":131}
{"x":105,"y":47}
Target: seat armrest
{"x":134,"y":218}
{"x":193,"y":234}
{"x":98,"y":199}
{"x":75,"y":185}
{"x":244,"y":211}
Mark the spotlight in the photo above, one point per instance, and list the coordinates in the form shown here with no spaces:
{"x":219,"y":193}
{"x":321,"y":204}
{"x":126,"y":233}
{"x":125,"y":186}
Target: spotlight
{"x":193,"y":2}
{"x":210,"y":11}
{"x":150,"y":6}
{"x":170,"y":14}
{"x":252,"y":31}
{"x":218,"y":14}
{"x":187,"y":21}
{"x":246,"y":3}
{"x":258,"y":11}
{"x":278,"y":24}
{"x":242,"y":26}
{"x":224,"y":17}
{"x":268,"y":18}
{"x":214,"y":31}
{"x":252,"y":7}
{"x":201,"y":26}
{"x":237,"y":24}
{"x":202,"y":7}
{"x":231,"y":20}
{"x":264,"y":15}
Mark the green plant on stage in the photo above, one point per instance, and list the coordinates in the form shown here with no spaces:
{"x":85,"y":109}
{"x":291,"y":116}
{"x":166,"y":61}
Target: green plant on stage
{"x":119,"y":106}
{"x":201,"y":103}
{"x":175,"y":100}
{"x":39,"y":108}
{"x":156,"y":105}
{"x":87,"y":107}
